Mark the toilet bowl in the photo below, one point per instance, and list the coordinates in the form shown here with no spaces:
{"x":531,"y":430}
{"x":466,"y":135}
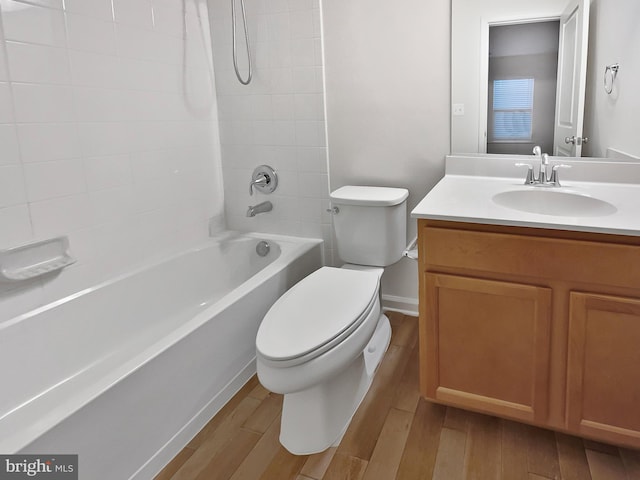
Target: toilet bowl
{"x":322,"y":341}
{"x":320,"y":345}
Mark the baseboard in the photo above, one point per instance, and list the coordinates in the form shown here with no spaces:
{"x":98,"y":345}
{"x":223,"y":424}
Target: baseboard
{"x":170,"y":449}
{"x":406,"y":305}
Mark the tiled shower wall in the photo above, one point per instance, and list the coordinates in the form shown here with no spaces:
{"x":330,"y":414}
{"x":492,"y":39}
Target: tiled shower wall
{"x":108,"y":134}
{"x":278,"y":119}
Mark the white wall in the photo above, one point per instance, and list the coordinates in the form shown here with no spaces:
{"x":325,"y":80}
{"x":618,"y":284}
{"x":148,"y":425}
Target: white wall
{"x":387,"y":89}
{"x":611,"y":121}
{"x":278,"y":119}
{"x":108,"y":135}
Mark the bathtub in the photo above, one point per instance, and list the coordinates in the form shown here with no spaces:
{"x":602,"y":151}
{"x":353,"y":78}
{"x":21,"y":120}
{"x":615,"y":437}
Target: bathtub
{"x":125,"y":373}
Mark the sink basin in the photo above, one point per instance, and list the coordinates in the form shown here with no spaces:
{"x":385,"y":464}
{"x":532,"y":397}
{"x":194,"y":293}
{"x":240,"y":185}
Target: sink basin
{"x":554,"y":202}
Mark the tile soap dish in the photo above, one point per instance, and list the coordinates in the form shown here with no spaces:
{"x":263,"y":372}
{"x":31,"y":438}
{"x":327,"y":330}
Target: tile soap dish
{"x":34,"y":259}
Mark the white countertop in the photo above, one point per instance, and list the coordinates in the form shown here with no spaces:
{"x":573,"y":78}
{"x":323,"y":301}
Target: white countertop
{"x":465,"y":195}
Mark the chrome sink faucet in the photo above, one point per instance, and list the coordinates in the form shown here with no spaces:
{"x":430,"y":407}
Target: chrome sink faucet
{"x":542,"y":178}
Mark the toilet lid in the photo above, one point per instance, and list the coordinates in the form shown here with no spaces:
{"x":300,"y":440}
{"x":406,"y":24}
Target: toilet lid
{"x":315,"y":311}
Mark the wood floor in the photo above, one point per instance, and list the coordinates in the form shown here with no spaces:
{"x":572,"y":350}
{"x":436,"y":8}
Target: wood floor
{"x":394,"y":434}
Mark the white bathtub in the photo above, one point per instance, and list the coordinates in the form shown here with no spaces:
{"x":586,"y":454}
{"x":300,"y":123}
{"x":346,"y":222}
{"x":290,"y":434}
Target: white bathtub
{"x":125,"y":373}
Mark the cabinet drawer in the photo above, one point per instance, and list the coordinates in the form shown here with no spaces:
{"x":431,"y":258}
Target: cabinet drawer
{"x":532,"y":256}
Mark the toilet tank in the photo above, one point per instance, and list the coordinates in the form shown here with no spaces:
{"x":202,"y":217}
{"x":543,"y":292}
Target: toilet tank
{"x":370,"y":224}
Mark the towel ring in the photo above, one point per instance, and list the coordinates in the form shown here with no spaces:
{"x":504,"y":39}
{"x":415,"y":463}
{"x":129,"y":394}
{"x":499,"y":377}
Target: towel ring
{"x":612,"y":71}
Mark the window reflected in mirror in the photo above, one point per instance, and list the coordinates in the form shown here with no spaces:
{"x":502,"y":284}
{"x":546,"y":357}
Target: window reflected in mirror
{"x":523,"y":65}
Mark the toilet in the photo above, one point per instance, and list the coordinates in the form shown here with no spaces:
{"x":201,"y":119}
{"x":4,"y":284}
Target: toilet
{"x":321,"y":342}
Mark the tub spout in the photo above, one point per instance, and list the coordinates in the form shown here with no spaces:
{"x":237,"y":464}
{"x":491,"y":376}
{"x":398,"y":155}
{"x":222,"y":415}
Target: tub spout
{"x":259,"y":208}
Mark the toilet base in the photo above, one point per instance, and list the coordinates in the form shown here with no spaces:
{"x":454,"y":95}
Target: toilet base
{"x":317,"y":418}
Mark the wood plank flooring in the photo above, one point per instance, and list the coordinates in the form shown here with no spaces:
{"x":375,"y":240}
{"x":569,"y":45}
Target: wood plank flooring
{"x":394,"y":435}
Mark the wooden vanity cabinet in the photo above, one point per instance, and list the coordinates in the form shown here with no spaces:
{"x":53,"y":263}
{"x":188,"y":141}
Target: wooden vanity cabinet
{"x":535,"y":325}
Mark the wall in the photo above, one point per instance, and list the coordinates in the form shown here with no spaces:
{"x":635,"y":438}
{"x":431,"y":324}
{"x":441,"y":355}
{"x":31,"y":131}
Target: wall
{"x":108,"y":135}
{"x":387,"y":88}
{"x":611,"y":121}
{"x":278,"y":119}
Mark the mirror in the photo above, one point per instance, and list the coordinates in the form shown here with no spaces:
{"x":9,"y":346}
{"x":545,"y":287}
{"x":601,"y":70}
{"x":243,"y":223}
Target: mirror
{"x":612,"y":38}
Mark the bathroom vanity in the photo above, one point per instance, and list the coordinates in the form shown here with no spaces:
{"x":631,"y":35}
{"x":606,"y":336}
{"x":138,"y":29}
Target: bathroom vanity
{"x":533,"y":316}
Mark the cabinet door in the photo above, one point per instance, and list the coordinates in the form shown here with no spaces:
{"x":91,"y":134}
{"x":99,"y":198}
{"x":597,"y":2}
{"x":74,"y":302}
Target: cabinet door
{"x":486,"y":345}
{"x":603,"y":394}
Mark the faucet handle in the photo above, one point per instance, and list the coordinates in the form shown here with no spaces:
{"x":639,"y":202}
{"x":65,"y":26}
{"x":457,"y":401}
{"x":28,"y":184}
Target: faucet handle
{"x":529,"y":180}
{"x":261,"y":181}
{"x":555,"y":181}
{"x":264,"y":179}
{"x":537,"y":151}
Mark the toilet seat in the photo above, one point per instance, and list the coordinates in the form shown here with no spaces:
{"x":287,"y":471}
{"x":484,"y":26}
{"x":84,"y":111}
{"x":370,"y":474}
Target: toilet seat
{"x":316,"y":314}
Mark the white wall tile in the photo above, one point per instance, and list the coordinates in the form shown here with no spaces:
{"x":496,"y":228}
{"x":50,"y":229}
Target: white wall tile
{"x":303,"y":52}
{"x":94,"y":8}
{"x":107,"y":172}
{"x":96,"y":70}
{"x":302,"y":24}
{"x":283,"y":107}
{"x":260,"y":107}
{"x":280,"y":54}
{"x":6,"y":104}
{"x":150,"y":75}
{"x":312,"y":159}
{"x":48,"y":141}
{"x":148,"y":45}
{"x":43,"y":103}
{"x":168,"y":21}
{"x":4,"y":73}
{"x":174,"y":4}
{"x":296,"y":5}
{"x":309,"y":133}
{"x":98,"y":104}
{"x":112,"y":205}
{"x":58,"y":178}
{"x":38,"y":63}
{"x":60,"y":215}
{"x":134,"y":13}
{"x":90,"y":34}
{"x":97,"y":139}
{"x":9,"y":150}
{"x":12,"y":186}
{"x":278,"y":26}
{"x":20,"y":232}
{"x":43,"y":3}
{"x":308,"y":106}
{"x":315,"y":184}
{"x":317,"y":24}
{"x":281,"y":81}
{"x":34,"y":25}
{"x":277,"y":6}
{"x":306,"y":80}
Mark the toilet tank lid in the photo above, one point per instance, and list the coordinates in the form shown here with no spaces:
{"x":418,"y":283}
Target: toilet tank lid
{"x":369,"y":196}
